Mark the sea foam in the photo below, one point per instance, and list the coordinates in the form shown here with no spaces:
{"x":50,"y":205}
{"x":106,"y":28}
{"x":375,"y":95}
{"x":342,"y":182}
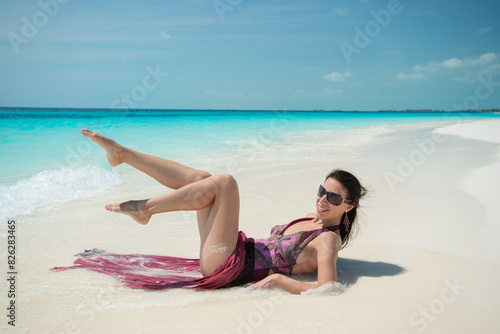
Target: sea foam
{"x":50,"y":187}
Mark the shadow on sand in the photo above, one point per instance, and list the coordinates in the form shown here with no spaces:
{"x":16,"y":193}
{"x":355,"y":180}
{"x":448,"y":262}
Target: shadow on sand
{"x":349,"y":271}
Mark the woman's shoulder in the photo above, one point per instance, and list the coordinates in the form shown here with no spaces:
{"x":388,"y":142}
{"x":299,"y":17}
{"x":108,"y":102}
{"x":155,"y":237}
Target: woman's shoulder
{"x":327,"y":240}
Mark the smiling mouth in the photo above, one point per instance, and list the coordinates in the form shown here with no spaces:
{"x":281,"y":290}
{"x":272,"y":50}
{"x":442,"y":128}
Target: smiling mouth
{"x":322,"y":208}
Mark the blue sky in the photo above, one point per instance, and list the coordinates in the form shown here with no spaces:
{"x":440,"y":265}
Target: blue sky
{"x":242,"y":54}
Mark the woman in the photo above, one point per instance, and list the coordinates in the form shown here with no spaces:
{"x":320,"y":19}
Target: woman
{"x":227,"y":256}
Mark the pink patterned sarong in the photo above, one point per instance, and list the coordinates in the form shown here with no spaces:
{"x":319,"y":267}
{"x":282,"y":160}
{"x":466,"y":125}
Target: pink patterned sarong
{"x":163,"y":272}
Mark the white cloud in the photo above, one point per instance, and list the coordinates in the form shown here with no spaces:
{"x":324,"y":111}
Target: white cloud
{"x":304,"y":93}
{"x":164,"y":35}
{"x":341,"y":11}
{"x":335,"y":76}
{"x":325,"y":92}
{"x":481,"y":60}
{"x":411,"y":76}
{"x":434,"y":66}
{"x":211,"y":92}
{"x":487,"y":58}
{"x":484,"y":30}
{"x":394,"y":52}
{"x":484,"y":59}
{"x":328,"y":91}
{"x":453,"y":62}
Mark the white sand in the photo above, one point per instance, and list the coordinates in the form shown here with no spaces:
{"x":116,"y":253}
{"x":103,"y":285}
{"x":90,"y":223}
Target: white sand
{"x":483,"y":184}
{"x":425,"y":260}
{"x":488,"y":130}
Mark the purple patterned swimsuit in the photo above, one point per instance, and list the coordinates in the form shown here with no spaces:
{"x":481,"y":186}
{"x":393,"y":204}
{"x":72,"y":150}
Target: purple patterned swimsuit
{"x":279,"y":252}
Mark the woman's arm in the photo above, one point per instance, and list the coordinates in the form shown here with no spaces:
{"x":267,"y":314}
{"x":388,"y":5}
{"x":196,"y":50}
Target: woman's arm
{"x":327,"y":247}
{"x":284,"y":282}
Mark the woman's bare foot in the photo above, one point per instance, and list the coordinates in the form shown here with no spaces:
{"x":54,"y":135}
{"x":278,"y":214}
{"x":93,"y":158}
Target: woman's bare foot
{"x":134,"y":209}
{"x":114,"y":151}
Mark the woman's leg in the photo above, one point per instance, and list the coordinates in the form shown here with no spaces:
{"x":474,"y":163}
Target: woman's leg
{"x":169,"y":173}
{"x":215,"y":198}
{"x":217,"y":195}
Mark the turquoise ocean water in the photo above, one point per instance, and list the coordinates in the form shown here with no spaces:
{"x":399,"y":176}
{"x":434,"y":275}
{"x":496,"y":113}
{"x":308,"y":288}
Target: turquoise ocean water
{"x":45,"y":160}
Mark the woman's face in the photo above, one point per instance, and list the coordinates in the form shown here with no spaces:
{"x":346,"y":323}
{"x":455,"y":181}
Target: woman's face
{"x":327,"y":211}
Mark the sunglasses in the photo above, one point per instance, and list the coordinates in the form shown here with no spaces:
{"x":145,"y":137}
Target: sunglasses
{"x":333,"y":198}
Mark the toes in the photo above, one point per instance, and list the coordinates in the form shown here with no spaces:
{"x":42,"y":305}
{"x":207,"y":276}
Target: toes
{"x":89,"y":134}
{"x":111,"y":207}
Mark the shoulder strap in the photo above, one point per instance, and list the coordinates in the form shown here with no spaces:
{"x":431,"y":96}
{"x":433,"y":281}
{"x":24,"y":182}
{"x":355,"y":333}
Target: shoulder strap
{"x":330,"y":228}
{"x":295,"y":222}
{"x":333,"y":228}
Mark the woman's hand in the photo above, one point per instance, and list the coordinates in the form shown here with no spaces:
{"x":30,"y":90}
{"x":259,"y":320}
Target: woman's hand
{"x":284,"y":282}
{"x":267,"y":282}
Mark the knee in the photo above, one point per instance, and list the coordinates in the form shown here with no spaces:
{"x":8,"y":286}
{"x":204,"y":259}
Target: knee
{"x":200,"y":175}
{"x":225,"y":180}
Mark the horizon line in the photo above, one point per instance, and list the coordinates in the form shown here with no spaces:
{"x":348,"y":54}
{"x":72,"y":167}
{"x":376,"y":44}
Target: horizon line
{"x":244,"y":110}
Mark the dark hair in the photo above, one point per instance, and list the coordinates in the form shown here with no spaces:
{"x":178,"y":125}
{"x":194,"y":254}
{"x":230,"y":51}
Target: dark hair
{"x":354,"y":192}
